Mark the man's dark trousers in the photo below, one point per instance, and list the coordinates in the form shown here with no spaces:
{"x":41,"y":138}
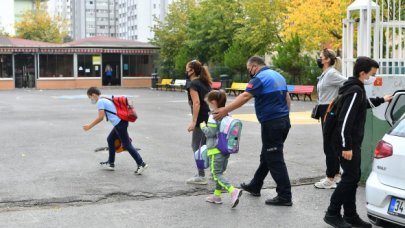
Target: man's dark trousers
{"x":274,"y":133}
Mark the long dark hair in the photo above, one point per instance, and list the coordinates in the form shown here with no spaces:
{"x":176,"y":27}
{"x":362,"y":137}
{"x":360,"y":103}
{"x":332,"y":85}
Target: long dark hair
{"x":201,"y":71}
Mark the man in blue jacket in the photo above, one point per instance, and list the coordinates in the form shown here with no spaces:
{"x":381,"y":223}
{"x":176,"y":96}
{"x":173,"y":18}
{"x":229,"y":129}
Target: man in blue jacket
{"x":272,"y":104}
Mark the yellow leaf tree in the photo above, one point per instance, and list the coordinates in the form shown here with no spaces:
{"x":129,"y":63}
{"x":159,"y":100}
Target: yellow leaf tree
{"x":38,"y":25}
{"x":317,"y":22}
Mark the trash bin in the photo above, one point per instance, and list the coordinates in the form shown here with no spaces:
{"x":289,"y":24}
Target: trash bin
{"x":225,"y":81}
{"x":155,"y":80}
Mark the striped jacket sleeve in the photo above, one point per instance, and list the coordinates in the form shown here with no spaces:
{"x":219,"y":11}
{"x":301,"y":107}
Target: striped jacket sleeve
{"x":347,"y":117}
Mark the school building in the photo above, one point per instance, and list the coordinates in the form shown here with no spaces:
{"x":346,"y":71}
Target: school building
{"x":78,"y":64}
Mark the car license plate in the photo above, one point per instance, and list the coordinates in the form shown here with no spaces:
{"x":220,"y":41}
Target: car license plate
{"x":397,"y":207}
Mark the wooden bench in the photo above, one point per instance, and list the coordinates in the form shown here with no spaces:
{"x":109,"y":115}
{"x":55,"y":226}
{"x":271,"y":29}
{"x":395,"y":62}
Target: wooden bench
{"x":237,"y":88}
{"x":165,"y":83}
{"x":179,"y":84}
{"x":216,"y":85}
{"x":296,"y":90}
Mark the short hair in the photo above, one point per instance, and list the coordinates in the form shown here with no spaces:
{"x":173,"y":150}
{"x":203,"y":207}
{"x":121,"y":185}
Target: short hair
{"x":365,"y":64}
{"x":256,"y":60}
{"x":217,"y":95}
{"x":93,"y":90}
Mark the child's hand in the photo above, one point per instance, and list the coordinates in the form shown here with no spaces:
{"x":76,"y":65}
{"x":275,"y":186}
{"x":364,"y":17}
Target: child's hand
{"x":203,"y":125}
{"x":86,"y":127}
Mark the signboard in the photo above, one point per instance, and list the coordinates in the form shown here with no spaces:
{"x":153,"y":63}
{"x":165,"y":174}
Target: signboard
{"x":96,"y":60}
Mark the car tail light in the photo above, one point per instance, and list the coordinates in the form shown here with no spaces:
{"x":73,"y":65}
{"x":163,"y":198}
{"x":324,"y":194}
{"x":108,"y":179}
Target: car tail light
{"x":383,"y":150}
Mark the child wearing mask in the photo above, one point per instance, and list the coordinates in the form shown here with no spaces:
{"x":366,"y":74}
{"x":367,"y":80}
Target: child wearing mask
{"x":218,"y":161}
{"x":120,"y":130}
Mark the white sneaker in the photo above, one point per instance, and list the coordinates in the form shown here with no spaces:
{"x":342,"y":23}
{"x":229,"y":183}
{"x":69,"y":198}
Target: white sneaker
{"x":141,"y":168}
{"x":197,"y":180}
{"x":337,"y":178}
{"x":325,"y":184}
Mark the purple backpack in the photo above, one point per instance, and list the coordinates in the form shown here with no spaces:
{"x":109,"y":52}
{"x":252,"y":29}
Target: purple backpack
{"x":229,"y":135}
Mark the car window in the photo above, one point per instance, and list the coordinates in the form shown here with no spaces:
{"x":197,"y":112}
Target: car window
{"x":399,"y":108}
{"x":398,"y":129}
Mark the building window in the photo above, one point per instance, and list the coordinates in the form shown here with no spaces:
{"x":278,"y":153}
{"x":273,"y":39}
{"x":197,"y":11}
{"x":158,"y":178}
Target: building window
{"x":89,"y":65}
{"x":136,"y":65}
{"x":6,"y":66}
{"x":52,"y":66}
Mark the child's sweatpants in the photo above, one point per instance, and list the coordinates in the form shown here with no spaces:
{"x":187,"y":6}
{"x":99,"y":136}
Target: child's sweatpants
{"x":218,"y":164}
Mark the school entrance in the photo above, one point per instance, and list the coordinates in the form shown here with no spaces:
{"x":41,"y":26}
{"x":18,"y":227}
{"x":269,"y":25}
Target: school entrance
{"x":24,"y":70}
{"x":111,"y":62}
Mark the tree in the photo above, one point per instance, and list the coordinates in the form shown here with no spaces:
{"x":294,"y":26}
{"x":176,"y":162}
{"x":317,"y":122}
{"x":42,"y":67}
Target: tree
{"x":170,"y":35}
{"x":211,"y":28}
{"x":260,"y":24}
{"x":300,"y":68}
{"x":208,"y":30}
{"x":236,"y":57}
{"x":315,"y":21}
{"x":38,"y":25}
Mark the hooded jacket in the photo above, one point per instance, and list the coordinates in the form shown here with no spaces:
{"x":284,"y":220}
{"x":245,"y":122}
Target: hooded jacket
{"x":352,"y":116}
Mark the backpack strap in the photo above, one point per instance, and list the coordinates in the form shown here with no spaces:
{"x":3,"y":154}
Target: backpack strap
{"x":106,"y":110}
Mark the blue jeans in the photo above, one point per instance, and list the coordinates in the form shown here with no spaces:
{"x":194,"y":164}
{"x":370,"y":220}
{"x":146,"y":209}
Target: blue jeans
{"x":274,"y":133}
{"x":121,"y":131}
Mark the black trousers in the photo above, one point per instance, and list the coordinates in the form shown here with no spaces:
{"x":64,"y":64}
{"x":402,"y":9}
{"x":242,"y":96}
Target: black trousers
{"x":274,"y":133}
{"x":345,"y":193}
{"x":330,"y":151}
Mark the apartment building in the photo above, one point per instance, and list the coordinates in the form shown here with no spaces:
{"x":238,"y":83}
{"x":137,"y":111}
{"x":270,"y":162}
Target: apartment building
{"x":94,"y":18}
{"x":136,"y":18}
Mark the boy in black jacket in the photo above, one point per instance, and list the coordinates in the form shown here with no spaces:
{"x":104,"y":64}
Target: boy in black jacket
{"x":348,"y":137}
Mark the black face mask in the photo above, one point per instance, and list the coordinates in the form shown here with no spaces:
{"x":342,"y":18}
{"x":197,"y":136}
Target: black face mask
{"x":319,"y":62}
{"x":251,"y":75}
{"x":186,"y":76}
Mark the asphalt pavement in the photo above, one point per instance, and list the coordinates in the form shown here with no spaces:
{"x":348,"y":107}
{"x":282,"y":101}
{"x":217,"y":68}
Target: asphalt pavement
{"x":50,"y":174}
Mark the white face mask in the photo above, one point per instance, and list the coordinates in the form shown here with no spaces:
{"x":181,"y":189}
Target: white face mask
{"x":370,"y":81}
{"x":93,"y":101}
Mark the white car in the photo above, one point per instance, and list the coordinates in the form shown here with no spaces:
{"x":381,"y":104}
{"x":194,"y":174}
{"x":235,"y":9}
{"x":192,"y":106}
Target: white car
{"x":385,"y":187}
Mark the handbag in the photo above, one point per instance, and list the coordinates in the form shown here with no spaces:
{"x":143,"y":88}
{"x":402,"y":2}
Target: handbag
{"x":315,"y":112}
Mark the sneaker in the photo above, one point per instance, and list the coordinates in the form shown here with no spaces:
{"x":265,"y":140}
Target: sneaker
{"x":214,"y":199}
{"x":325,"y":183}
{"x":337,"y":178}
{"x":248,"y":188}
{"x":356,"y":221}
{"x":279,"y":201}
{"x":235,"y":195}
{"x":197,"y":180}
{"x":107,"y":165}
{"x":141,"y":168}
{"x":336,"y":221}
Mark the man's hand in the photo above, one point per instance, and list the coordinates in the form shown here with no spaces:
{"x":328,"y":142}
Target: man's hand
{"x":86,"y":127}
{"x":387,"y":98}
{"x":219,"y":113}
{"x":347,"y":154}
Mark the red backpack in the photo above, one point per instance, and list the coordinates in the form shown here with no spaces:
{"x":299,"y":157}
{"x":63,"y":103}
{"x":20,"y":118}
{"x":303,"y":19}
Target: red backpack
{"x":125,"y":111}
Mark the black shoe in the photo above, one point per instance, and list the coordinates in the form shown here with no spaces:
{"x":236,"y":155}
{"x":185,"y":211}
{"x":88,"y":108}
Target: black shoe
{"x":248,"y":188}
{"x":279,"y":201}
{"x":356,"y":221}
{"x":336,"y":221}
{"x":107,"y":165}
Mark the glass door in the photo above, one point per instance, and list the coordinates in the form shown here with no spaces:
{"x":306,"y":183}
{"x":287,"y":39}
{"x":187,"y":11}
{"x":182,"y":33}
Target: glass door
{"x":24,"y":70}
